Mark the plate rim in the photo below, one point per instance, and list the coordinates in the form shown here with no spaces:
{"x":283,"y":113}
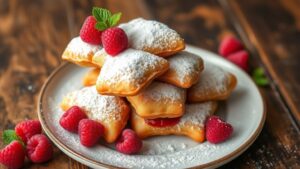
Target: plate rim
{"x":87,"y":161}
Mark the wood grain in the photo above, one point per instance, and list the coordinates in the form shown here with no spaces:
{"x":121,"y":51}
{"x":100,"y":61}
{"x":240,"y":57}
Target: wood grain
{"x":204,"y":24}
{"x":277,"y":42}
{"x":33,"y":34}
{"x":32,"y":37}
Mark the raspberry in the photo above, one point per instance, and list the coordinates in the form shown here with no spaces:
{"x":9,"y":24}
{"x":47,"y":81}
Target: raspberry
{"x":229,"y":45}
{"x":162,"y":122}
{"x":89,"y":33}
{"x":71,"y":118}
{"x":27,"y":129}
{"x":13,"y":155}
{"x":240,"y":58}
{"x":129,"y":142}
{"x":39,"y":149}
{"x":114,"y":40}
{"x":90,"y":132}
{"x":217,"y":130}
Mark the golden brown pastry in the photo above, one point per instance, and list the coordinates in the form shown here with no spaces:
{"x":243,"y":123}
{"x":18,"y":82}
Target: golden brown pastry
{"x":111,"y":111}
{"x":191,"y":123}
{"x":90,"y":77}
{"x":159,"y":100}
{"x":80,"y":52}
{"x":150,"y":36}
{"x":153,"y":36}
{"x":184,"y":71}
{"x":214,"y":84}
{"x":99,"y":58}
{"x":127,"y":73}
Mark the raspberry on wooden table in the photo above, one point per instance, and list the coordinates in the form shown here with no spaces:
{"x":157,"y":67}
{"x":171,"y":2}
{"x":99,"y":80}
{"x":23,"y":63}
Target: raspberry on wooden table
{"x":27,"y":129}
{"x":13,"y":155}
{"x":229,"y":45}
{"x":240,"y":58}
{"x":39,"y":149}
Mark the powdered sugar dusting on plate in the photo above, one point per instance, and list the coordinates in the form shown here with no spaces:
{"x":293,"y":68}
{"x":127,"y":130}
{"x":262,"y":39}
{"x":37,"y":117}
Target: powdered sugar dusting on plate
{"x":185,"y":64}
{"x":161,"y":154}
{"x":130,"y":66}
{"x":97,"y":106}
{"x":145,"y":34}
{"x":182,"y":152}
{"x":81,"y":48}
{"x":162,"y":91}
{"x":158,"y":152}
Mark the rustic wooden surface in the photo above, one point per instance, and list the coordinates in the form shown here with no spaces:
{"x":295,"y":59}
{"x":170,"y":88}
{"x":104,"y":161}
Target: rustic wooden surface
{"x":33,"y":34}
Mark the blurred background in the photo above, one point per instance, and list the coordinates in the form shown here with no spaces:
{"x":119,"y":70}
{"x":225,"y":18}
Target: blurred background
{"x":34,"y":33}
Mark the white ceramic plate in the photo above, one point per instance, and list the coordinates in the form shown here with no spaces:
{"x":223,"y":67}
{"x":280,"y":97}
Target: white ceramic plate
{"x":244,"y":109}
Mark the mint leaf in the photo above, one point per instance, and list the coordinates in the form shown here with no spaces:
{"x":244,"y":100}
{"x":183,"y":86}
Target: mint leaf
{"x":101,"y":14}
{"x":101,"y":26}
{"x":259,"y":77}
{"x":10,"y":135}
{"x":258,"y":72}
{"x":114,"y":19}
{"x":96,"y":13}
{"x":104,"y":18}
{"x":261,"y":81}
{"x":105,"y":14}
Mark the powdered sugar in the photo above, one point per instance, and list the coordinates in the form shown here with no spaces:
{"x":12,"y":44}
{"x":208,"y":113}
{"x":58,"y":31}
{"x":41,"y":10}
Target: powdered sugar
{"x":162,"y":91}
{"x":152,"y":156}
{"x":212,"y":77}
{"x":130,"y":66}
{"x":197,"y":113}
{"x":162,"y":153}
{"x":157,"y":152}
{"x":185,"y":64}
{"x":81,"y":48}
{"x":149,"y":34}
{"x":97,"y":106}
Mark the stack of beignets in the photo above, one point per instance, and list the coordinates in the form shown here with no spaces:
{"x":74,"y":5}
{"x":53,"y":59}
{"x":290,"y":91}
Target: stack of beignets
{"x":159,"y":80}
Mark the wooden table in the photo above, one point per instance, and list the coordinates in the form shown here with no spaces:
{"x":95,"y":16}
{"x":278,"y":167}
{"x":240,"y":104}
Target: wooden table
{"x":33,"y":34}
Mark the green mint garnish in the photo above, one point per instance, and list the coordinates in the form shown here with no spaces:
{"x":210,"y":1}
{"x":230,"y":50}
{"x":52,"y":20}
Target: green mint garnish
{"x":105,"y":19}
{"x":259,"y":77}
{"x":10,"y":135}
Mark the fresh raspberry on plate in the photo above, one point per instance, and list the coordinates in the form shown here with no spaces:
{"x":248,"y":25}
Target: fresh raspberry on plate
{"x":89,"y":33}
{"x":71,"y":118}
{"x":240,"y":58}
{"x":217,"y":130}
{"x":13,"y":155}
{"x":90,"y":132}
{"x":27,"y":129}
{"x":114,"y":40}
{"x":129,"y":142}
{"x":229,"y":45}
{"x":39,"y":149}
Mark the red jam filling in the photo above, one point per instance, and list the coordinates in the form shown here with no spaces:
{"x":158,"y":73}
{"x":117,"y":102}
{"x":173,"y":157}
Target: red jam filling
{"x":162,"y":122}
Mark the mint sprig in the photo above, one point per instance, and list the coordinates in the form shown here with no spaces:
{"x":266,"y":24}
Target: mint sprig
{"x":259,"y":77}
{"x":105,"y":19}
{"x":10,"y":135}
